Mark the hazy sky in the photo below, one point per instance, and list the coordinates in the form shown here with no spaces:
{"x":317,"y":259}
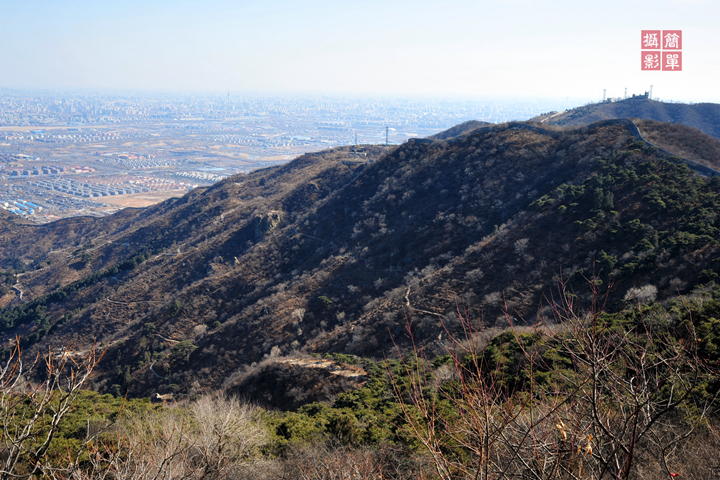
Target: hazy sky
{"x":474,"y":49}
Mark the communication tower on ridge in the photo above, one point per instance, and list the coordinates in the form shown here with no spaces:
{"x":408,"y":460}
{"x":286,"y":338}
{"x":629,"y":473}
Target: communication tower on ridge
{"x":604,"y":90}
{"x":625,"y":93}
{"x":650,"y":94}
{"x":387,"y":134}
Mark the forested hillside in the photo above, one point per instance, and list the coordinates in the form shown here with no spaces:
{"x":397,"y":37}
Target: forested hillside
{"x":335,"y":252}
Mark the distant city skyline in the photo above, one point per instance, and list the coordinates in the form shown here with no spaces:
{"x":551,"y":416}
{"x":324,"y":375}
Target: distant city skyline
{"x":516,"y":49}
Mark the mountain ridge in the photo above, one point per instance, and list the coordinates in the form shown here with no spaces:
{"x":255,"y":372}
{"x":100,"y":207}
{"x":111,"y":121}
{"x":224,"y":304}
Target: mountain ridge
{"x":702,"y":116}
{"x":335,"y":253}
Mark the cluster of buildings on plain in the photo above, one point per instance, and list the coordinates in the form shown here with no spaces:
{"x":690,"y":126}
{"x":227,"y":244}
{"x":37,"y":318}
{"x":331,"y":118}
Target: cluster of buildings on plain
{"x":60,"y":194}
{"x":66,"y":137}
{"x":39,"y":203}
{"x":203,"y":176}
{"x":36,"y":170}
{"x":85,"y":189}
{"x":133,"y":162}
{"x":21,"y":207}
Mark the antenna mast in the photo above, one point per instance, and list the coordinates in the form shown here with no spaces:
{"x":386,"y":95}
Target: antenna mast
{"x":625,"y":93}
{"x":604,"y":90}
{"x":387,"y":133}
{"x":650,"y":94}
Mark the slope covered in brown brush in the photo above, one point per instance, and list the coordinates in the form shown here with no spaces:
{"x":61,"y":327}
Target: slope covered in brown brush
{"x":336,"y":253}
{"x":684,"y":141}
{"x":702,"y":116}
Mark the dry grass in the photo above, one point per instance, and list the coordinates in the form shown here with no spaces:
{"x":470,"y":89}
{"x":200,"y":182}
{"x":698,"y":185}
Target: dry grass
{"x":684,"y":141}
{"x":140,"y":200}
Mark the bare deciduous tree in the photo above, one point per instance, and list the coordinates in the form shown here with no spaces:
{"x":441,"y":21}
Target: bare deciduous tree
{"x":31,"y":413}
{"x":331,"y":460}
{"x":617,"y":388}
{"x":211,"y":438}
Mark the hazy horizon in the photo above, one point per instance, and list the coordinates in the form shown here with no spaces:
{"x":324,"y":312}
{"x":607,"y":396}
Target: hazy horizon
{"x":247,"y":94}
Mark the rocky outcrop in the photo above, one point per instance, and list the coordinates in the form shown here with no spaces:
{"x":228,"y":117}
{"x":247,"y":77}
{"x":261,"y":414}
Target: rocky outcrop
{"x":267,"y":222}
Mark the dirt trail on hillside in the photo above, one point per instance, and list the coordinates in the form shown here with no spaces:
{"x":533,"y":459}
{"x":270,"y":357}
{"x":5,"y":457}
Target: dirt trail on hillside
{"x":332,"y":367}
